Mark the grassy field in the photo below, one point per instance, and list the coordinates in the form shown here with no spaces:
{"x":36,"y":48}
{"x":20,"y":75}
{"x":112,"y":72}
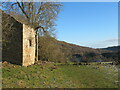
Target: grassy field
{"x":55,"y":75}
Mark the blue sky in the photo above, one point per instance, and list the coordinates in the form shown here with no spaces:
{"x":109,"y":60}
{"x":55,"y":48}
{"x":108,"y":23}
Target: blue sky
{"x":91,"y":24}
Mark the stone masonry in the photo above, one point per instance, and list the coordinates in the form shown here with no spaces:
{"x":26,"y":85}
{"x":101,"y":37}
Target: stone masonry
{"x":28,"y":46}
{"x":18,"y":45}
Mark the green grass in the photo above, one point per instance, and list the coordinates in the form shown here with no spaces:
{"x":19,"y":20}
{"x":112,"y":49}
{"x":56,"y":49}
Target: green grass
{"x":51,"y":75}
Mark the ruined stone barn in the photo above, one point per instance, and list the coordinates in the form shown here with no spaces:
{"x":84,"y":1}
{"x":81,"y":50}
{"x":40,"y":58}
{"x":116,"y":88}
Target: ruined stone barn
{"x":18,"y":41}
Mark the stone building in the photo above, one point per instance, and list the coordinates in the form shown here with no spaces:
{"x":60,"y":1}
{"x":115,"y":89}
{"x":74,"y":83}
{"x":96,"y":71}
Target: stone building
{"x":28,"y":45}
{"x":18,"y":42}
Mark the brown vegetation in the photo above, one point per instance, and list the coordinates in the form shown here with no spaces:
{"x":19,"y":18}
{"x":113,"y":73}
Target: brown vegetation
{"x":51,"y":49}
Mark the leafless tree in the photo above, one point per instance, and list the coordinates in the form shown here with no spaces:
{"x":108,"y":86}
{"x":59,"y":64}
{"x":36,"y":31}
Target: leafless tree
{"x":39,"y":15}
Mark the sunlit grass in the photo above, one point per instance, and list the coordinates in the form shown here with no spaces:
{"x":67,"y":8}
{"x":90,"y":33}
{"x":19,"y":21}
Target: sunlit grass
{"x":51,"y":75}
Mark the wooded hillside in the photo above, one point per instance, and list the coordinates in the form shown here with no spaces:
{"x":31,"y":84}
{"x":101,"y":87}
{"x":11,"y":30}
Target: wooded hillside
{"x":63,"y":51}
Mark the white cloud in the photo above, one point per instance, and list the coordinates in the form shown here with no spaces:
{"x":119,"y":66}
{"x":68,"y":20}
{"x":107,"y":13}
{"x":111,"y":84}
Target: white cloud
{"x":113,"y":40}
{"x":105,"y":43}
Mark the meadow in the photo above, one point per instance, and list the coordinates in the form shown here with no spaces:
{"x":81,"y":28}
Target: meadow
{"x":58,"y":75}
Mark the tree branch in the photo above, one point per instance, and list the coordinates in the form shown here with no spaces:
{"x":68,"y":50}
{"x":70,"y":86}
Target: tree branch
{"x":22,"y":5}
{"x":22,"y":9}
{"x":40,"y":8}
{"x":39,"y":27}
{"x":12,"y":5}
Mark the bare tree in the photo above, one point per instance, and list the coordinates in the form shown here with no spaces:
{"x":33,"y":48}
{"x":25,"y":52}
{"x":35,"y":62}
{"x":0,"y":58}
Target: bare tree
{"x":39,"y":15}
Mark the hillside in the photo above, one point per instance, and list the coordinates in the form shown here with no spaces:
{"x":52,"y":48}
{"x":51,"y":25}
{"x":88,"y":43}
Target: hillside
{"x":115,"y":54}
{"x":79,"y":49}
{"x":71,"y":52}
{"x":89,"y":54}
{"x":114,"y":48}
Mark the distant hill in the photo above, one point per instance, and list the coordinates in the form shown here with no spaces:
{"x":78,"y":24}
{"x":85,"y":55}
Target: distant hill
{"x":90,"y":54}
{"x":115,"y":54}
{"x":86,"y":53}
{"x":80,"y":49}
{"x":114,"y":48}
{"x":72,"y":51}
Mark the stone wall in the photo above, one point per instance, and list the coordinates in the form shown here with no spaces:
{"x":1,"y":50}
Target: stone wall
{"x":28,"y":46}
{"x":11,"y":40}
{"x":18,"y":42}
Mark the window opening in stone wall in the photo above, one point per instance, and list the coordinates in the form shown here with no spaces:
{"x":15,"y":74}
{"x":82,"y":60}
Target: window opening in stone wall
{"x":30,"y":43}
